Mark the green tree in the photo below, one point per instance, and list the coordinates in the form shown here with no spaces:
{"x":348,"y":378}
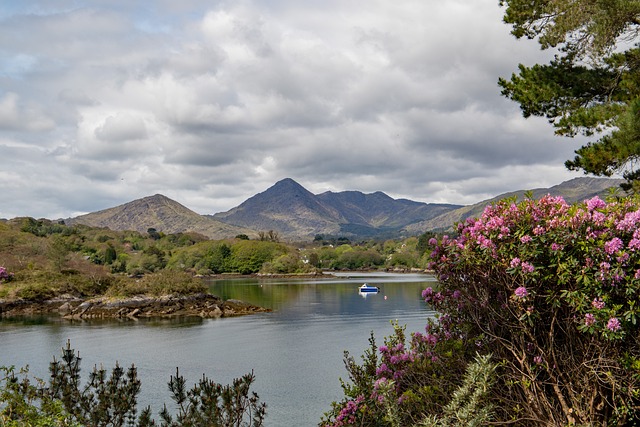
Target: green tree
{"x":153,"y":233}
{"x":58,"y":251}
{"x":109,"y":254}
{"x":217,"y":258}
{"x":248,"y":256}
{"x":592,"y":86}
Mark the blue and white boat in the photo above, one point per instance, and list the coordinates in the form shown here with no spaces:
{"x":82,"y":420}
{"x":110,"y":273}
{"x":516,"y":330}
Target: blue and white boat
{"x":368,"y":289}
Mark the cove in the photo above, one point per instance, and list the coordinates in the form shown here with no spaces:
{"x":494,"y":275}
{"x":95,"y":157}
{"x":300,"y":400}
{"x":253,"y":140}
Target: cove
{"x":296,"y":351}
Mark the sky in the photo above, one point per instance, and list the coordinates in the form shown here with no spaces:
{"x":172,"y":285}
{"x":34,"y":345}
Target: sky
{"x":103,"y":102}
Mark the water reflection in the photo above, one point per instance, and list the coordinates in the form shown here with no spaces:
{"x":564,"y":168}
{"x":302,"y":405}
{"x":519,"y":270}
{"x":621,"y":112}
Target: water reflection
{"x":295,"y":352}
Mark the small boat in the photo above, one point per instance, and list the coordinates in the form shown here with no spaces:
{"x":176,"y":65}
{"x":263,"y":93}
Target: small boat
{"x":368,"y":288}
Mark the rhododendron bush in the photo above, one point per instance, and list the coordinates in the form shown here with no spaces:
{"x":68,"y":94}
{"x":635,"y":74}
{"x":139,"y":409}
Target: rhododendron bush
{"x":402,"y":380}
{"x":552,"y":291}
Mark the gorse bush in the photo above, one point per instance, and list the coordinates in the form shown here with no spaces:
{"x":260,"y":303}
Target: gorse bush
{"x":468,"y":407}
{"x":552,"y":291}
{"x":110,"y":400}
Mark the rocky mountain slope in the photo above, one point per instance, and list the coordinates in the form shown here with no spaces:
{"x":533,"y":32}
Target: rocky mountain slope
{"x":161,"y":213}
{"x":574,"y":190}
{"x":293,"y":211}
{"x":297,"y":214}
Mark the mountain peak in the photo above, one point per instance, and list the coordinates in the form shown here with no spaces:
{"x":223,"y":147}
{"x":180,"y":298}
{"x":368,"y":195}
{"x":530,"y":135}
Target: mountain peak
{"x":288,"y":184}
{"x":159,"y":212}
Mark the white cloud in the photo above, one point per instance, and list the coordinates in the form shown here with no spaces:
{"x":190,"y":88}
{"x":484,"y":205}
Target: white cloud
{"x":18,"y":116}
{"x":122,"y":127}
{"x":212,"y":102}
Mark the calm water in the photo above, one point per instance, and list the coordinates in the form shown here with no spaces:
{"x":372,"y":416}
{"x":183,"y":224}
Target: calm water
{"x":295,"y":352}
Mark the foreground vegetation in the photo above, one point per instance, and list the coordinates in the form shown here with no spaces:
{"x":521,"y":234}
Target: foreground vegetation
{"x":110,"y":400}
{"x":538,"y":326}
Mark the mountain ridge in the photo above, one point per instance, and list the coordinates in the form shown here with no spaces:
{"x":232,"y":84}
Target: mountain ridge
{"x":297,"y":214}
{"x":574,"y":190}
{"x":289,"y":208}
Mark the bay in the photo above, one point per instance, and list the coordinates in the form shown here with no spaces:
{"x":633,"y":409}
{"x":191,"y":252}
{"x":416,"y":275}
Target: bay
{"x":295,"y":352}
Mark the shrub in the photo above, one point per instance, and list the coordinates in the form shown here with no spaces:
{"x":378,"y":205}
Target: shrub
{"x":111,"y":400}
{"x":552,"y":291}
{"x":5,"y":276}
{"x":165,"y":282}
{"x":468,"y":406}
{"x":34,"y":292}
{"x":400,"y":381}
{"x":22,"y":404}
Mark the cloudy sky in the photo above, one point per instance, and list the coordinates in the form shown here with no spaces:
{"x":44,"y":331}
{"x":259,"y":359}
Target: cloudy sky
{"x":210,"y":102}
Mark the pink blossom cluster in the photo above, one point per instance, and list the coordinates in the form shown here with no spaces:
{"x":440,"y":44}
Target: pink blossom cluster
{"x":393,"y":373}
{"x":5,"y":276}
{"x":543,"y":247}
{"x":521,"y":292}
{"x":347,"y":415}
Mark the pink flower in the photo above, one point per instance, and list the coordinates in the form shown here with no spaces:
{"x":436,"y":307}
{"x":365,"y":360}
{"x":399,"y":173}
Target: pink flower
{"x":538,"y":230}
{"x":629,"y":222}
{"x":613,"y":246}
{"x":527,"y":267}
{"x":634,"y":244}
{"x":589,"y":319}
{"x":537,"y":360}
{"x":595,"y":203}
{"x":521,"y":292}
{"x":598,"y":218}
{"x":525,"y":239}
{"x":556,"y":247}
{"x":598,"y":303}
{"x":515,"y":262}
{"x":613,"y":324}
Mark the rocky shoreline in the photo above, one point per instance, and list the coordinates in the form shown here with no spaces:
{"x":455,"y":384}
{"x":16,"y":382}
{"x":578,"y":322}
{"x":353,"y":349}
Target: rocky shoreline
{"x":197,"y":305}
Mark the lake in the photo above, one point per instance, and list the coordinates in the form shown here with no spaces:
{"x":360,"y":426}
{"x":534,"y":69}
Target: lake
{"x":295,"y":352}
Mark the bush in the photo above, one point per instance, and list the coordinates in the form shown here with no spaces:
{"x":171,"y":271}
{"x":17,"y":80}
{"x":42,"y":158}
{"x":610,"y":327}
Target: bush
{"x":34,"y":292}
{"x":111,"y":400}
{"x":5,"y":276}
{"x":552,"y":290}
{"x":399,"y":382}
{"x":165,"y":282}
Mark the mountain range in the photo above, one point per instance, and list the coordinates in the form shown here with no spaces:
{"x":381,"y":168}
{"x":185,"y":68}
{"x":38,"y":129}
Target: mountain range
{"x":297,"y":214}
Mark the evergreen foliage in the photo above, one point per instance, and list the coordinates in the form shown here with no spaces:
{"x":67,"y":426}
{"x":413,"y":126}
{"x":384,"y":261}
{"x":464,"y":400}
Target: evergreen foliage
{"x":111,"y":400}
{"x":592,"y":86}
{"x":469,"y":405}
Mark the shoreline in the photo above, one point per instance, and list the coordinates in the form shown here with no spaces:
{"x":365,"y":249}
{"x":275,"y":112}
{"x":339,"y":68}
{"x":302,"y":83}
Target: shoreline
{"x":200,"y":305}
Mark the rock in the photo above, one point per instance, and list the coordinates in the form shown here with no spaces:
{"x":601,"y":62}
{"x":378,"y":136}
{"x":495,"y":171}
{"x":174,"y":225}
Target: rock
{"x":65,"y":308}
{"x":197,"y":305}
